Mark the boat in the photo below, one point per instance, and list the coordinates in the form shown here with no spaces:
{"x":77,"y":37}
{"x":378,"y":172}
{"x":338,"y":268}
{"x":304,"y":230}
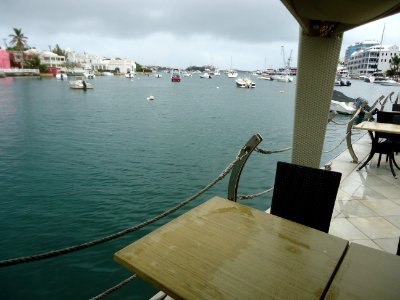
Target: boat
{"x":157,"y":75}
{"x":265,"y":76}
{"x":175,"y":76}
{"x":346,"y":108}
{"x":340,"y":82}
{"x":80,"y":84}
{"x":151,"y":97}
{"x":376,"y":77}
{"x":89,"y":75}
{"x":283,"y":78}
{"x":205,"y":75}
{"x":108,"y":74}
{"x":245,"y":83}
{"x":388,"y":82}
{"x":129,"y":75}
{"x":61,"y":76}
{"x":232,"y":74}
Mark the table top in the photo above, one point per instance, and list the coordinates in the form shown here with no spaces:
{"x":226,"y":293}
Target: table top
{"x":225,"y":250}
{"x":366,"y":273}
{"x":379,"y":127}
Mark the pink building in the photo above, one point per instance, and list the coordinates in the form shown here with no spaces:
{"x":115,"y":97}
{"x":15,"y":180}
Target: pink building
{"x":4,"y":59}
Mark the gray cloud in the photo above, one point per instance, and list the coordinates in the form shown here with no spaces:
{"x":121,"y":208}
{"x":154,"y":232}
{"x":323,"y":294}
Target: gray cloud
{"x":174,"y":31}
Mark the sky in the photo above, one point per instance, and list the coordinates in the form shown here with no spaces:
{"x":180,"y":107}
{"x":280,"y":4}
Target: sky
{"x":244,"y":35}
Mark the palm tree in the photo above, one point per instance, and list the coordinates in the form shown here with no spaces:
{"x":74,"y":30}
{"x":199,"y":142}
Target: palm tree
{"x":18,"y":39}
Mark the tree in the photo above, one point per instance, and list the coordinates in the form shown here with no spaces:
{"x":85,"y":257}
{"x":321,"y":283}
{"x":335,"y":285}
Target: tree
{"x":35,"y":63}
{"x":394,"y":70}
{"x":57,"y":50}
{"x":18,"y":40}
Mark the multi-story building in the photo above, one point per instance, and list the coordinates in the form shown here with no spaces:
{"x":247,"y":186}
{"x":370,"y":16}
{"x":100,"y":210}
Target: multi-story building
{"x":357,"y":47}
{"x":48,"y":58}
{"x":100,"y":63}
{"x":372,"y":59}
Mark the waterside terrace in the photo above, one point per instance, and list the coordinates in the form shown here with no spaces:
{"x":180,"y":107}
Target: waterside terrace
{"x":367,"y":208}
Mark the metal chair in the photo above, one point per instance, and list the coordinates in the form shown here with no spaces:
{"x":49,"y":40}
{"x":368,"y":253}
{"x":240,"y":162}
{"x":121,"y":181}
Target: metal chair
{"x":305,"y":195}
{"x":396,"y":107}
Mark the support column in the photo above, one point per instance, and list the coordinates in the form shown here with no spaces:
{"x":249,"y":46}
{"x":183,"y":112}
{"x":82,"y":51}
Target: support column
{"x":317,"y":66}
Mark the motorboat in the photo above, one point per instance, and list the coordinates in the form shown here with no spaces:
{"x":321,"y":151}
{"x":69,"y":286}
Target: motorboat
{"x":205,"y":75}
{"x":80,"y":84}
{"x":232,"y":74}
{"x":245,"y":83}
{"x":129,"y":75}
{"x":61,"y":76}
{"x":108,"y":74}
{"x":340,"y":82}
{"x":89,"y":75}
{"x":176,"y":75}
{"x":265,"y":76}
{"x":346,"y":108}
{"x":157,"y":75}
{"x":389,"y":82}
{"x":283,"y":78}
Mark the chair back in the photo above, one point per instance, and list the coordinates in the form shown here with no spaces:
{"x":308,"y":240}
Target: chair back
{"x":305,"y":195}
{"x":387,"y":117}
{"x":396,"y":107}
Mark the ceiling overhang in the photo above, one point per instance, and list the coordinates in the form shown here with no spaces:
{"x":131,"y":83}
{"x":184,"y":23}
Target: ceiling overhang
{"x":332,"y":17}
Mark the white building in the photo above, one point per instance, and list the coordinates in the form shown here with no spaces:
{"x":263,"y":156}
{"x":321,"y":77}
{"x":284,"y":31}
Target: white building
{"x":48,"y":58}
{"x":96,"y":62}
{"x":369,"y":60}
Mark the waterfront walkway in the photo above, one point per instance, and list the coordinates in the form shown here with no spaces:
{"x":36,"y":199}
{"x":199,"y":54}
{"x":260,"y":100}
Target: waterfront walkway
{"x":367,"y":209}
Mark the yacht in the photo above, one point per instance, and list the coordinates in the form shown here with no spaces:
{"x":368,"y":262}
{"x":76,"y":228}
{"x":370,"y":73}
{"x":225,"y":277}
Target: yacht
{"x":232,"y":74}
{"x":245,"y":83}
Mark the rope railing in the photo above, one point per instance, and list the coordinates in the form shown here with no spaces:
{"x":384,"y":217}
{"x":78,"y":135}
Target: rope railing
{"x":63,"y":251}
{"x":266,"y":151}
{"x":114,"y":288}
{"x":252,"y":196}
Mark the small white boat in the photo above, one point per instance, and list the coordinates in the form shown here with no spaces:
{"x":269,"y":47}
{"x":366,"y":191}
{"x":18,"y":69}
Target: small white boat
{"x":340,"y":82}
{"x":151,"y":97}
{"x":346,"y":108}
{"x":80,"y":84}
{"x":108,"y":74}
{"x":245,"y":83}
{"x":205,"y":75}
{"x":265,"y":77}
{"x":61,"y":76}
{"x":157,"y":75}
{"x":283,"y":78}
{"x":388,"y":82}
{"x":89,"y":75}
{"x":129,"y":75}
{"x":232,"y":74}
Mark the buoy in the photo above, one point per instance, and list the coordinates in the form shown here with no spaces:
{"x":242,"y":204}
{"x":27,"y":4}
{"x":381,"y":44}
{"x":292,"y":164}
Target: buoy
{"x":281,"y":91}
{"x":150,"y":98}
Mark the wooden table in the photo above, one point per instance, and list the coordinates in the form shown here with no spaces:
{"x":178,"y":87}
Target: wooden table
{"x":366,"y":273}
{"x":225,"y":250}
{"x":379,"y":127}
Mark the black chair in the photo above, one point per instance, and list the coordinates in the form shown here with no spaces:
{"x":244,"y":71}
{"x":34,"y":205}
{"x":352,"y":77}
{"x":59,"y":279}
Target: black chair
{"x":305,"y":195}
{"x":398,"y":248}
{"x":396,"y":107}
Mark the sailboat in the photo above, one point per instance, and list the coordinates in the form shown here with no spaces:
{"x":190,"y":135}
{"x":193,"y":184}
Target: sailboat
{"x":232,"y":73}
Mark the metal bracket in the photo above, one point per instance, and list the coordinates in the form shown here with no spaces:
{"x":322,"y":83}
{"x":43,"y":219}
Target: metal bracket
{"x":238,"y":167}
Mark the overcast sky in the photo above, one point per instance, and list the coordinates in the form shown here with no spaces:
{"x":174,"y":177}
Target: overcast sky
{"x":246,"y":35}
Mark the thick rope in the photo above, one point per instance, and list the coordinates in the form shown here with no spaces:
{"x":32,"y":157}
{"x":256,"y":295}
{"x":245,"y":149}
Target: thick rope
{"x":341,"y":142}
{"x":265,"y":151}
{"x":337,"y":123}
{"x":252,"y":196}
{"x":114,"y":288}
{"x":54,"y":253}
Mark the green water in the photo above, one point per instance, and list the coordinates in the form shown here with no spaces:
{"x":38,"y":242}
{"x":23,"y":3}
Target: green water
{"x":76,"y":166}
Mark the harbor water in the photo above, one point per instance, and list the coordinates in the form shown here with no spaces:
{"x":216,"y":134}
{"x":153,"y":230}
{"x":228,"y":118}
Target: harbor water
{"x":79,"y":165}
